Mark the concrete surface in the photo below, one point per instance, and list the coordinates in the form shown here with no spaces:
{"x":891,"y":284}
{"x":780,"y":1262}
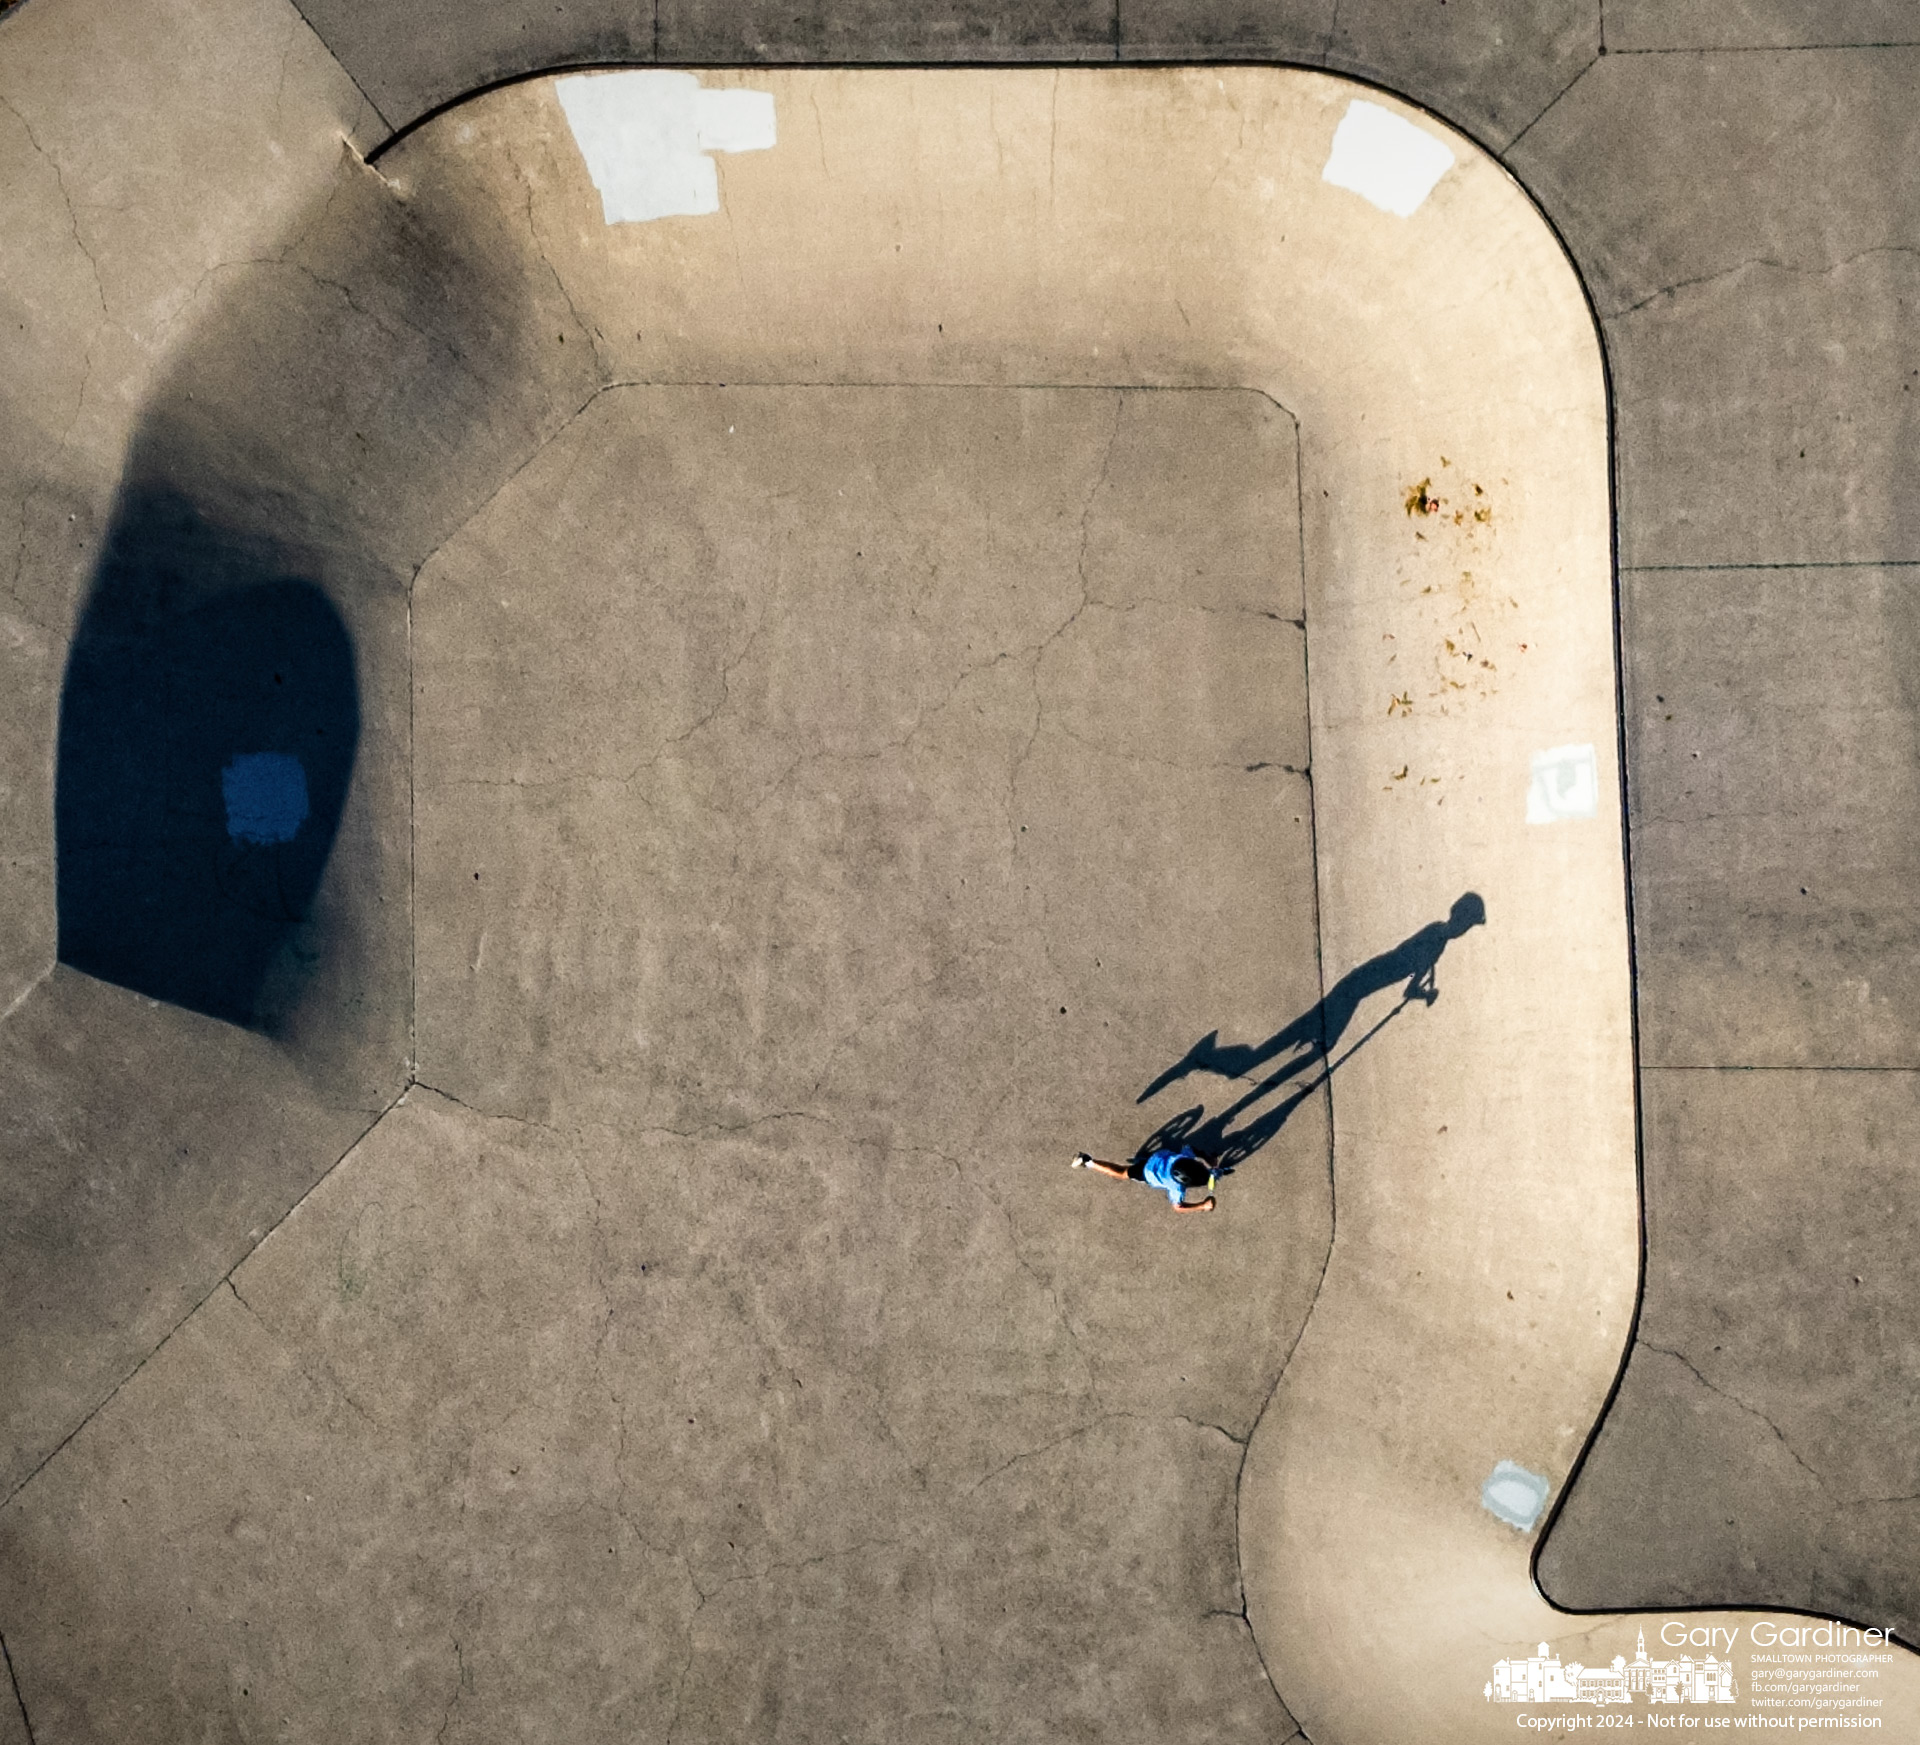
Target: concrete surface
{"x":1770,"y":894}
{"x":1757,"y":323}
{"x":1749,"y":24}
{"x":103,"y":273}
{"x":276,"y":427}
{"x":1755,"y":305}
{"x":708,"y":1065}
{"x":1852,"y":190}
{"x":1735,"y":1395}
{"x":149,"y":1151}
{"x":918,"y":637}
{"x":1492,"y":65}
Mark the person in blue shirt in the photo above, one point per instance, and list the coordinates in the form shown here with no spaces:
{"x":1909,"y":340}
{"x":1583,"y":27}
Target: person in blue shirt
{"x":1174,"y":1173}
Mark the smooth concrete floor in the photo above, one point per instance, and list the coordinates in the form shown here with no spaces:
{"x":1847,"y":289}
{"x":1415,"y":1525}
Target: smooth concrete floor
{"x":1760,"y":945}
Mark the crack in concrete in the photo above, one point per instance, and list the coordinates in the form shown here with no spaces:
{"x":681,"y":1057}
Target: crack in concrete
{"x":19,"y":1700}
{"x":1734,"y":1399}
{"x":780,"y":1566}
{"x":727,"y":670}
{"x":939,"y":1643}
{"x":927,"y":715}
{"x":819,"y":128}
{"x":1053,"y":130}
{"x":650,"y":1129}
{"x":540,"y":784}
{"x":1148,"y":760}
{"x":918,"y":1469}
{"x":1197,"y":606}
{"x":1683,"y":819}
{"x":594,"y":337}
{"x":280,"y":257}
{"x":672,"y":1553}
{"x":1240,"y":1442}
{"x":462,"y":1683}
{"x":73,"y":217}
{"x":890,"y":747}
{"x":887,"y":748}
{"x":27,"y":499}
{"x":490,"y":1114}
{"x":620,"y":1474}
{"x":1246,"y":1623}
{"x":598,"y":1270}
{"x":686,"y":1666}
{"x":875,"y":1015}
{"x":1027,"y":1454}
{"x":295,"y":23}
{"x":1095,"y":1423}
{"x":739,"y":263}
{"x":727,"y":1129}
{"x":1053,"y":1296}
{"x":326,"y":1382}
{"x":37,"y":488}
{"x":394,"y":327}
{"x":1039,"y":651}
{"x":1767,"y":261}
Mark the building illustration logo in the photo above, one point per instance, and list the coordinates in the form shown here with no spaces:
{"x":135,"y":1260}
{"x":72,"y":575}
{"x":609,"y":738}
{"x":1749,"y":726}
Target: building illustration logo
{"x":1542,"y":1679}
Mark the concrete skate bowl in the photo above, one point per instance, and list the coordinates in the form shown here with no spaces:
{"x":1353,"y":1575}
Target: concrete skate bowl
{"x":895,"y":627}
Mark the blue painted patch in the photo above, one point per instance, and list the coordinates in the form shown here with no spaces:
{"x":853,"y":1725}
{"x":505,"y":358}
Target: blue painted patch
{"x":266,"y":795}
{"x":1514,"y":1494}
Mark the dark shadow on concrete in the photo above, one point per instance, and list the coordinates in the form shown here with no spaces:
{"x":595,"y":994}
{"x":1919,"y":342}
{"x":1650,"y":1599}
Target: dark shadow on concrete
{"x":1233,"y":1134}
{"x":233,"y":787}
{"x":208,"y":724}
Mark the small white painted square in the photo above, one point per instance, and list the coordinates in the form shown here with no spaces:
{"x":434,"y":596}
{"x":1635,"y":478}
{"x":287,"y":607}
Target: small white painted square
{"x":1565,"y":784}
{"x":645,"y":135}
{"x":1514,"y":1494}
{"x":1385,"y":159}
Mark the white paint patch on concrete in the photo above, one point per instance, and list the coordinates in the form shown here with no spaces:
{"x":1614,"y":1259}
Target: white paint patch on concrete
{"x":1515,"y":1495}
{"x":1565,"y":784}
{"x":1385,"y":159}
{"x":646,"y":134}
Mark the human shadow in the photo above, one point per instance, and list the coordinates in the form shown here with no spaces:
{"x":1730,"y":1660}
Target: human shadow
{"x":1229,"y":1136}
